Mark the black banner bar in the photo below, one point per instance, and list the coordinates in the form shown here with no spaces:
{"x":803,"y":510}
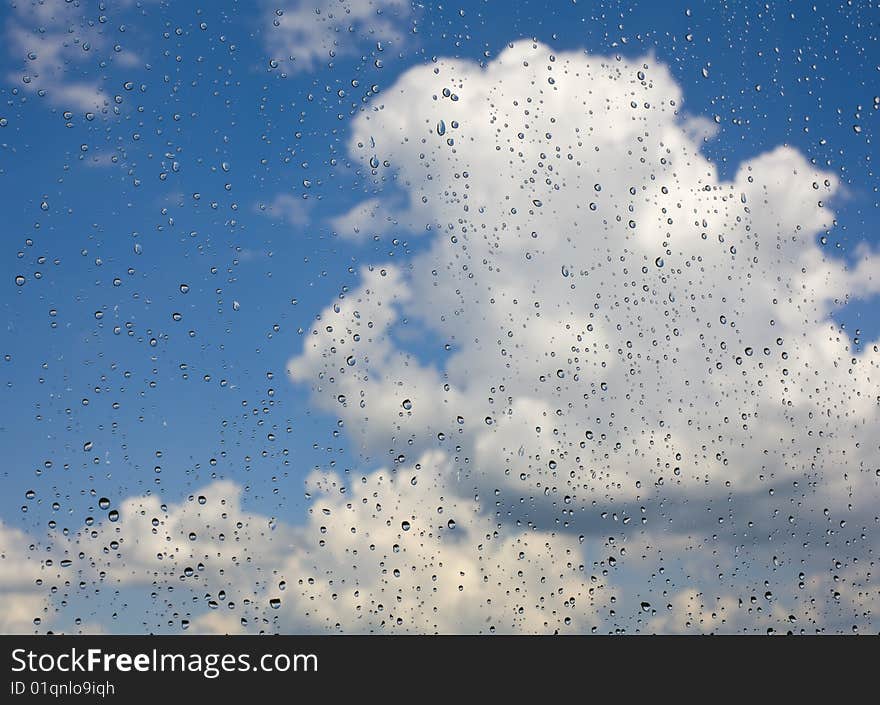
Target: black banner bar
{"x":132,"y":668}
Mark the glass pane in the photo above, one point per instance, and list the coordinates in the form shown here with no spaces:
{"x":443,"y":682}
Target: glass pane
{"x":391,"y":317}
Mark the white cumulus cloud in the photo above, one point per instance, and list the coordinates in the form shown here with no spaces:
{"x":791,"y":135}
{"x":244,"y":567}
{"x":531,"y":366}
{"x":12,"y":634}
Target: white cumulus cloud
{"x":614,"y":324}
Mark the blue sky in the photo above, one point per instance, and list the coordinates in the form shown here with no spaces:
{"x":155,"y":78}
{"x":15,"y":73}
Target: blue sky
{"x":214,"y":171}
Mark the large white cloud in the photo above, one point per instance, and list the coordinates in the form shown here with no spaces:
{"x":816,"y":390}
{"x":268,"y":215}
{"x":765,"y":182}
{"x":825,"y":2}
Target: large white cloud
{"x":612,"y":305}
{"x":624,"y":327}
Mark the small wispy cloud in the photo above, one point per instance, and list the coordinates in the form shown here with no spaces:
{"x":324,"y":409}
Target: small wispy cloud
{"x":287,"y":208}
{"x":54,"y":40}
{"x":101,"y":160}
{"x":303,"y":34}
{"x":374,"y":217}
